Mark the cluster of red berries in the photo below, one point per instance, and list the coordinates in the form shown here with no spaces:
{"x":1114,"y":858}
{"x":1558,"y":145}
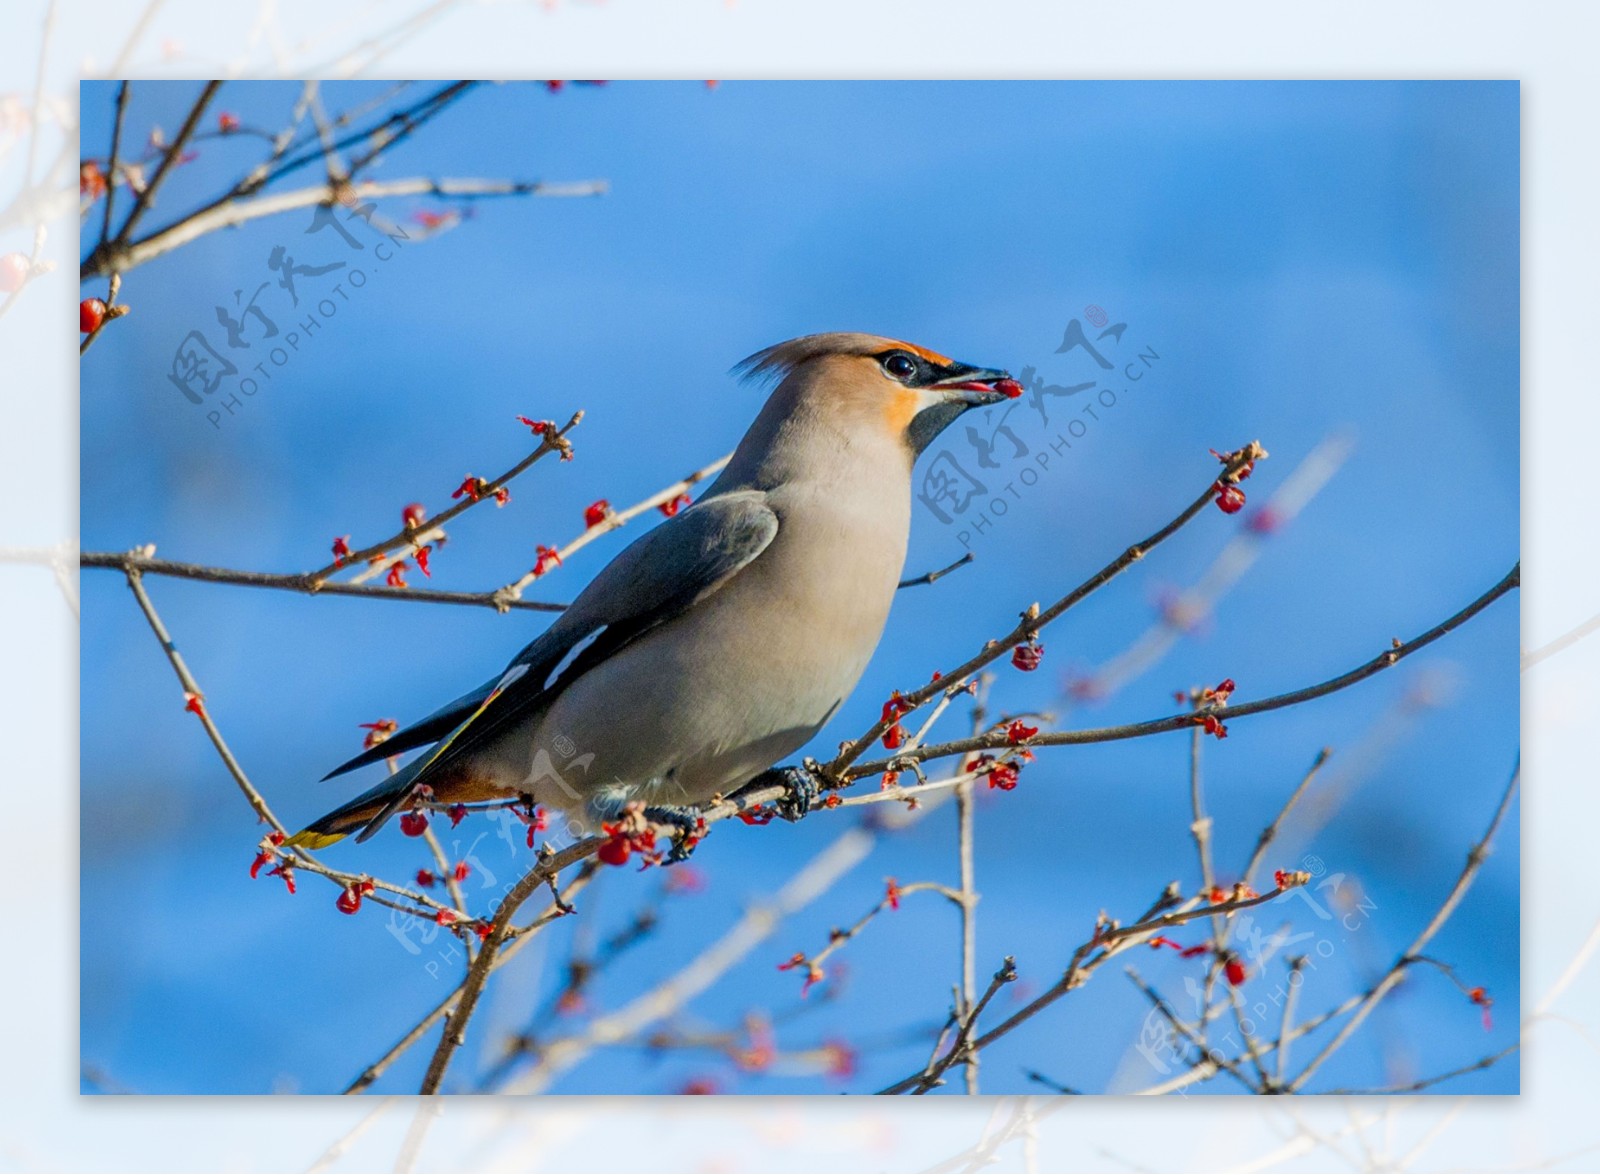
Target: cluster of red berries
{"x":1230,"y":498}
{"x":544,"y":558}
{"x":626,"y":838}
{"x":267,"y":851}
{"x":427,"y":879}
{"x":893,"y":710}
{"x":814,"y":973}
{"x":1215,"y":697}
{"x":378,"y":731}
{"x":1018,"y":732}
{"x":998,"y":774}
{"x":1027,"y":656}
{"x":474,"y":488}
{"x":349,"y":899}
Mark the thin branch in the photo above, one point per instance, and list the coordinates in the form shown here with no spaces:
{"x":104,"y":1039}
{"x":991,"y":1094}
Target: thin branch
{"x":969,"y":1023}
{"x":613,"y":520}
{"x":556,"y":909}
{"x":1424,"y":1083}
{"x":123,"y":257}
{"x":111,"y":167}
{"x":1270,"y":832}
{"x":1207,"y":1055}
{"x":1033,"y":622}
{"x":173,"y":153}
{"x":756,"y":925}
{"x":195,"y":699}
{"x":1291,"y":999}
{"x":1384,"y":660}
{"x":1108,"y":942}
{"x":1469,"y":872}
{"x":931,"y":576}
{"x":137,"y":561}
{"x":552,"y":440}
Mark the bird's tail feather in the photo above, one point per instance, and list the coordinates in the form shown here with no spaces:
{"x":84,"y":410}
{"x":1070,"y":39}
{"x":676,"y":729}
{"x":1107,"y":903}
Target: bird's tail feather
{"x":366,"y":812}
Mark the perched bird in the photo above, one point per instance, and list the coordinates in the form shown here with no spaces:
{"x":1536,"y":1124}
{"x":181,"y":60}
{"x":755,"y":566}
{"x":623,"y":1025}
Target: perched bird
{"x":724,"y":639}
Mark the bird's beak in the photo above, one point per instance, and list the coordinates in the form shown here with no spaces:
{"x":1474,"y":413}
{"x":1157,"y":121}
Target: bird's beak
{"x":958,"y":388}
{"x":976,"y":387}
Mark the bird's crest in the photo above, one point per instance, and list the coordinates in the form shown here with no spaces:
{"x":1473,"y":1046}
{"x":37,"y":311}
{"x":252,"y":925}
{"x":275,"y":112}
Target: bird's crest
{"x":777,"y":361}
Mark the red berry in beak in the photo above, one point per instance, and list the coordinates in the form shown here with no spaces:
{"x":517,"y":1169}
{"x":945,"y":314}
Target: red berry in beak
{"x":1010,"y":387}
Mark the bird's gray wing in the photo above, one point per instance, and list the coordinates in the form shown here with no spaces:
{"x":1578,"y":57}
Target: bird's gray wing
{"x":425,"y":730}
{"x":659,"y":576}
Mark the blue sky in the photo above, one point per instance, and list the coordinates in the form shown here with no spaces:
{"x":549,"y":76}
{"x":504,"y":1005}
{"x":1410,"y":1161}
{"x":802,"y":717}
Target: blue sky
{"x":1306,"y":259}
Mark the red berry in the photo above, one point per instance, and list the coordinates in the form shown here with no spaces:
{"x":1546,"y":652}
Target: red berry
{"x":671,"y":508}
{"x":461,"y":871}
{"x":227,"y":123}
{"x":425,"y":878}
{"x":596,"y":513}
{"x":1002,"y":776}
{"x":91,"y":313}
{"x":615,"y":851}
{"x":894,"y":736}
{"x":1027,"y":657}
{"x":414,"y":823}
{"x":1235,"y":970}
{"x":1019,"y":732}
{"x":349,"y":900}
{"x":1230,"y":498}
{"x":14,"y":269}
{"x":545,"y":558}
{"x":1010,"y":387}
{"x":91,"y":180}
{"x":413,"y":514}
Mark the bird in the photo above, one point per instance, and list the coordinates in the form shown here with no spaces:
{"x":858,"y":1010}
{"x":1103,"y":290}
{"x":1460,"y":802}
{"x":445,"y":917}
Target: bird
{"x":721,"y":641}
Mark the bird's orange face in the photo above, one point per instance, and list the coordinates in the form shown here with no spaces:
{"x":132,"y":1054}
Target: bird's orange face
{"x":924,"y":391}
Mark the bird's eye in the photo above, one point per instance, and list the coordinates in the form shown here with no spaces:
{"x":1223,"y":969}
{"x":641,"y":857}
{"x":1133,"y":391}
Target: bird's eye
{"x":900,"y":366}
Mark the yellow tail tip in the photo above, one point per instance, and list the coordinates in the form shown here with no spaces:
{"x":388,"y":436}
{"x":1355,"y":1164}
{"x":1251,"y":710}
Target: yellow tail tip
{"x":308,"y":838}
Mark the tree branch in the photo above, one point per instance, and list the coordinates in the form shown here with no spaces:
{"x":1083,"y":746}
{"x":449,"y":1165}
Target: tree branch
{"x":1382,"y":661}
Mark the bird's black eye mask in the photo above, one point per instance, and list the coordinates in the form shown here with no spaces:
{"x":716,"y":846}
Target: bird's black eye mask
{"x":913,"y":371}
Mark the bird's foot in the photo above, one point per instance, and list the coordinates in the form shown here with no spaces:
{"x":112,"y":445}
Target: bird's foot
{"x":690,"y":826}
{"x":802,"y":784}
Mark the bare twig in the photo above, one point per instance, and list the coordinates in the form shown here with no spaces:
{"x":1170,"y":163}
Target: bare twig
{"x":195,"y":701}
{"x":552,"y":440}
{"x":1424,"y":1083}
{"x":136,"y":560}
{"x":1108,"y":942}
{"x":170,"y":157}
{"x":932,"y":576}
{"x":613,"y":519}
{"x":1033,"y":621}
{"x":1469,"y":872}
{"x":124,"y":256}
{"x":1382,"y":661}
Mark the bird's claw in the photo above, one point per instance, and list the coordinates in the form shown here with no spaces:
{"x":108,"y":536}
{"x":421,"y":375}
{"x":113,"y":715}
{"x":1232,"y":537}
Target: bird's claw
{"x":802,"y":787}
{"x":690,"y":826}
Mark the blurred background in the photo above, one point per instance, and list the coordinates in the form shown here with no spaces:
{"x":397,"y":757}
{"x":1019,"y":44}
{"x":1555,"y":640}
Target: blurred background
{"x":1329,"y":267}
